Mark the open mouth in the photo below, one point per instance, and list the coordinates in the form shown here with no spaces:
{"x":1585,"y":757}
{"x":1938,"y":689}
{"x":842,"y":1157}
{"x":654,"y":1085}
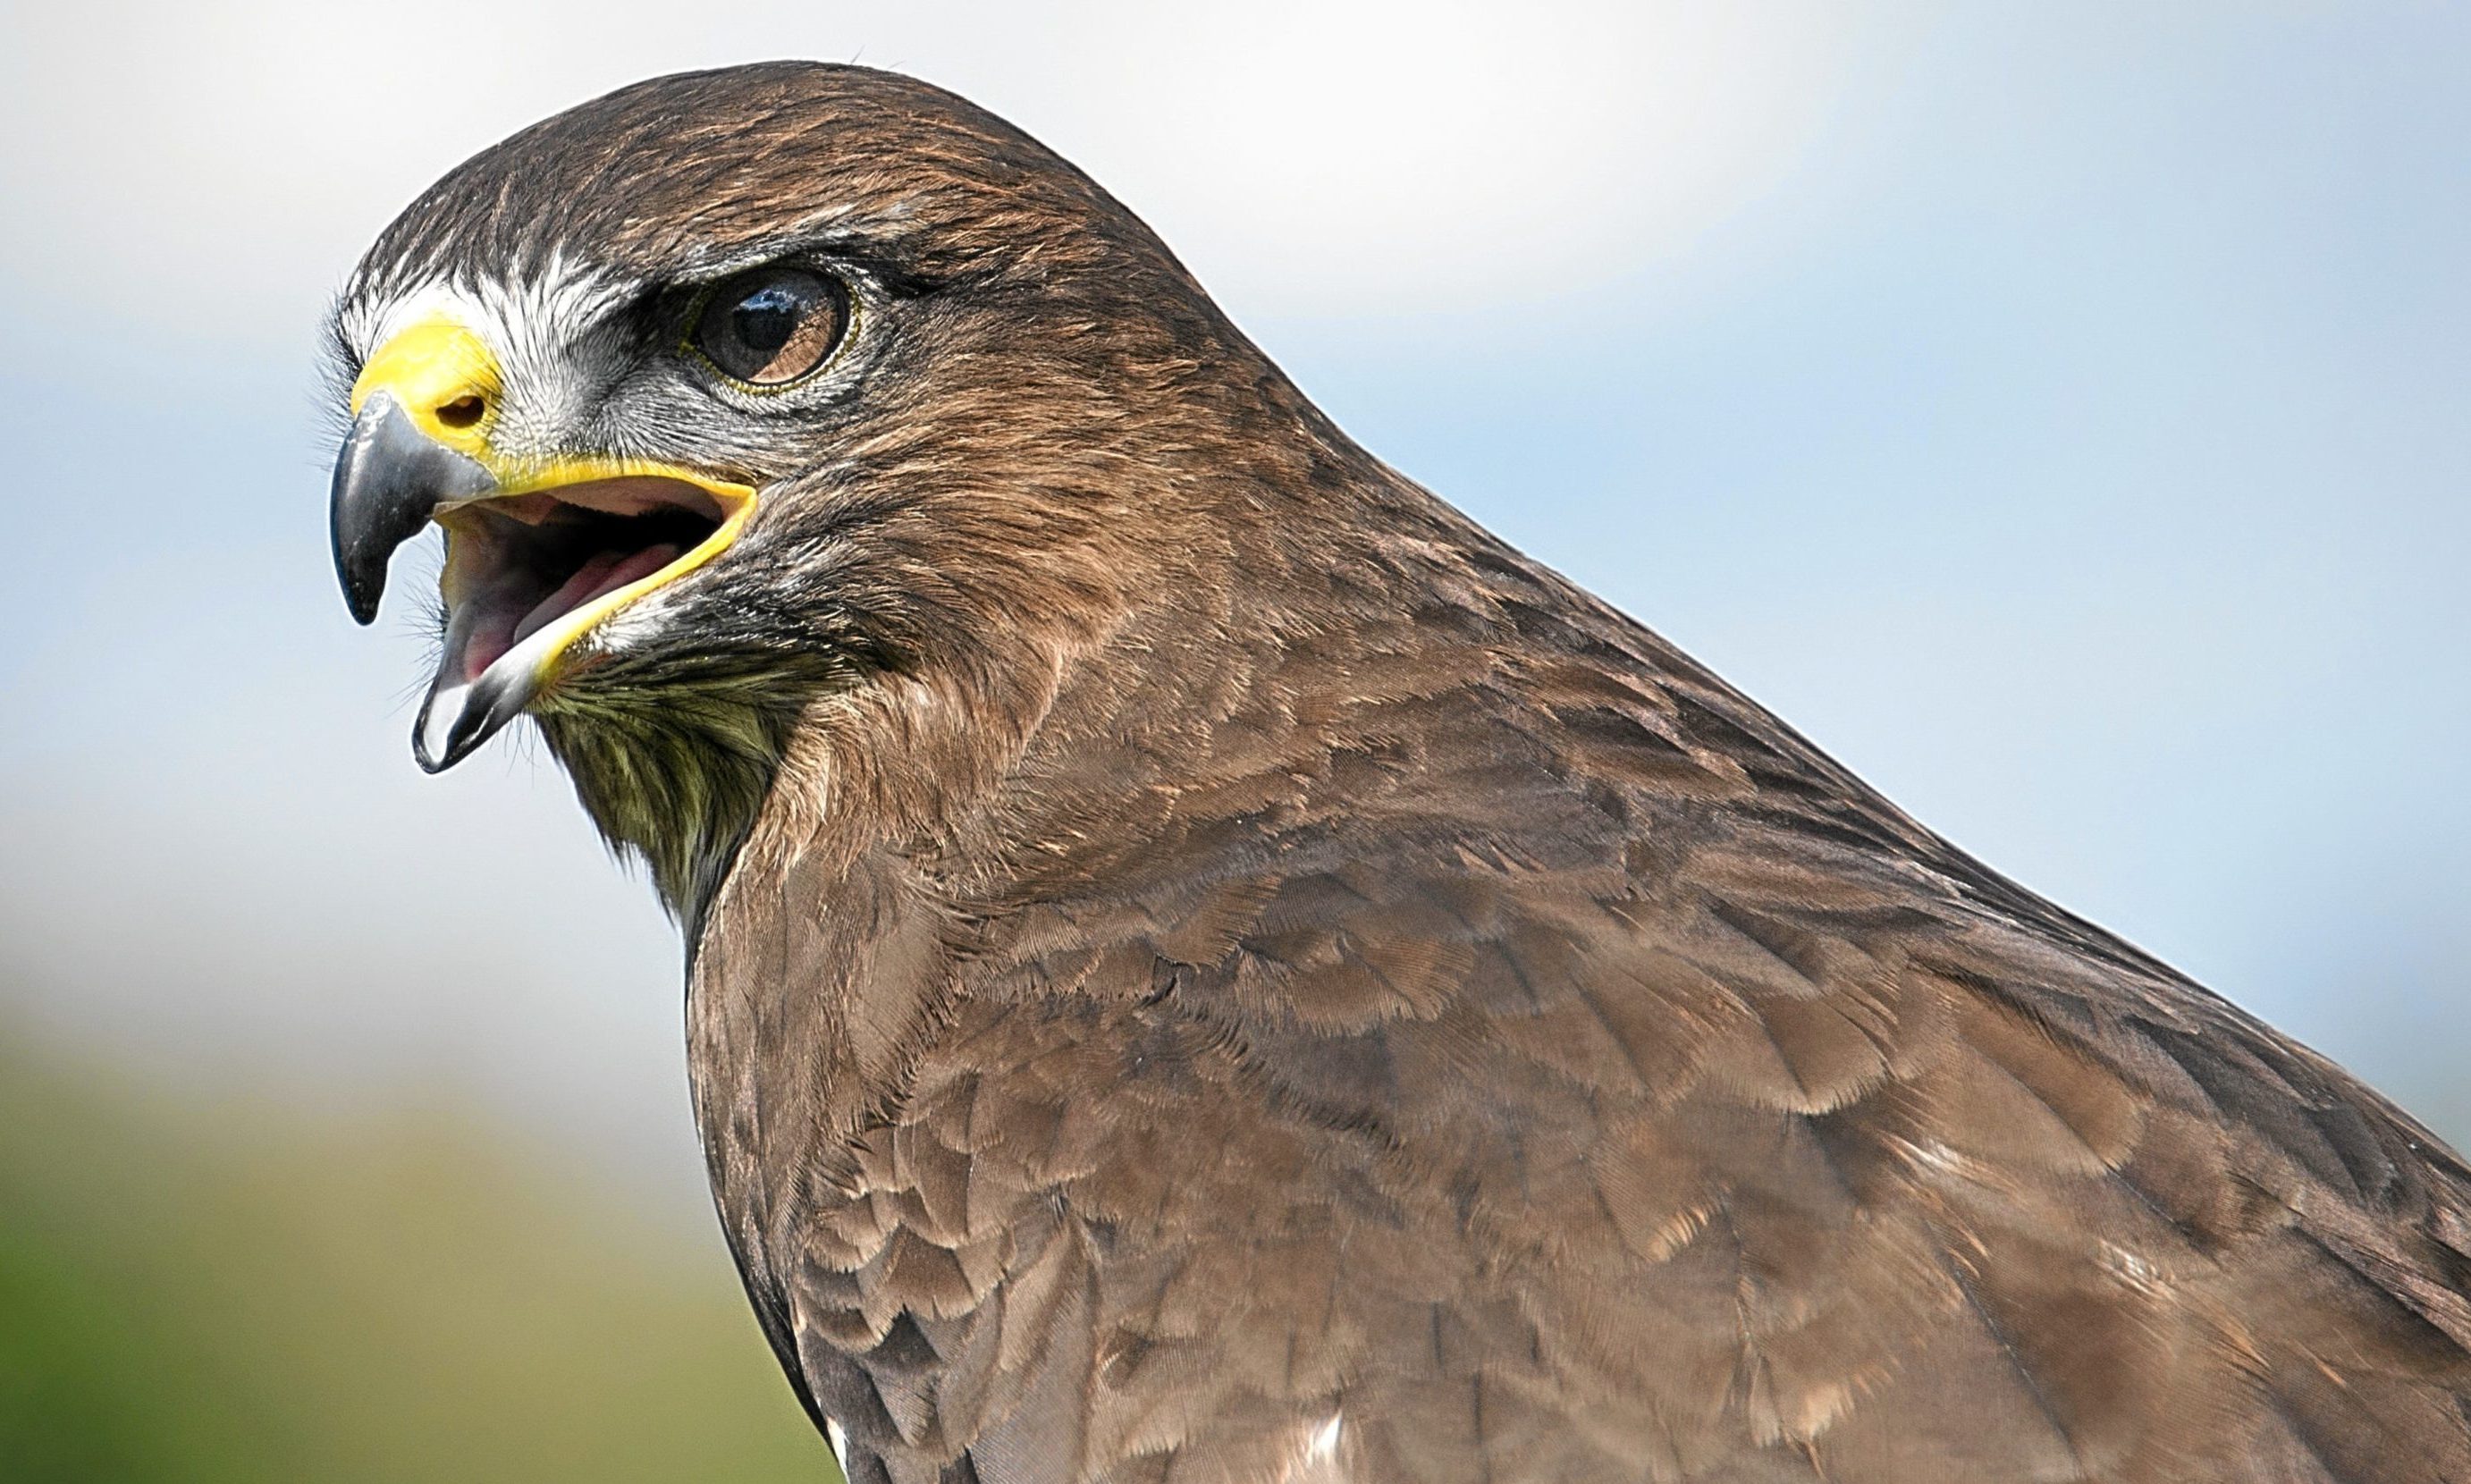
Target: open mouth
{"x":529,"y":572}
{"x":517,"y":565}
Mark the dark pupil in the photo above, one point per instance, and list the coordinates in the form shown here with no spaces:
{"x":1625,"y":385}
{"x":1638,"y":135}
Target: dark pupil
{"x":765,"y":319}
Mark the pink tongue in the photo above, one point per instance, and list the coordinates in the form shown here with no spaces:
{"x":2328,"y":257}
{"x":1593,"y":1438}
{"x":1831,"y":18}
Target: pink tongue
{"x":606,"y":573}
{"x":490,"y":636}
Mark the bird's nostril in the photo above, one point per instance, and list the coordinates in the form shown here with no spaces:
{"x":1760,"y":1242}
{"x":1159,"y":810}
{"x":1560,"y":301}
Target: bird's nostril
{"x":463,"y":412}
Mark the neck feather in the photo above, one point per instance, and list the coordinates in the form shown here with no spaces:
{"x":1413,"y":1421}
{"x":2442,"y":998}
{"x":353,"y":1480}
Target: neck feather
{"x":677,"y":780}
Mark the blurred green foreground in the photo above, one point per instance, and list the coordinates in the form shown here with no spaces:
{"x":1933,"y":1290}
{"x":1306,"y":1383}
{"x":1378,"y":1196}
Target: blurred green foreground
{"x":248,"y":1294}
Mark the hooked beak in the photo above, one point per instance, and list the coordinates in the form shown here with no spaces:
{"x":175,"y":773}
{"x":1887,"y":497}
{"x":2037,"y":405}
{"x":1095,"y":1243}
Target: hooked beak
{"x":538,"y":553}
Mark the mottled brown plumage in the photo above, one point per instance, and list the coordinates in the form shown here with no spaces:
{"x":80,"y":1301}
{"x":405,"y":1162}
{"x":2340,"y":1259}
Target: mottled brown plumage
{"x":1195,"y":940}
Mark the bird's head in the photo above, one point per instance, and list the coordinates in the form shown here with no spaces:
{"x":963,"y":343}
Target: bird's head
{"x":735,"y":389}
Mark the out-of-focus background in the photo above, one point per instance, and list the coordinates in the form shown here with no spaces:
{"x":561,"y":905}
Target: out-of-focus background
{"x":2062,"y":413}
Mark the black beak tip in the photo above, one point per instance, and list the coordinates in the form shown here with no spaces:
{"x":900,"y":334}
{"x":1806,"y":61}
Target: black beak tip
{"x":389,"y":478}
{"x":432,"y":765}
{"x":363,"y":602}
{"x":450,"y":748}
{"x":454,"y":720}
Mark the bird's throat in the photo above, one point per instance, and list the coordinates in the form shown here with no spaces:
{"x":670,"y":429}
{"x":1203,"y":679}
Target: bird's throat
{"x":675,"y":782}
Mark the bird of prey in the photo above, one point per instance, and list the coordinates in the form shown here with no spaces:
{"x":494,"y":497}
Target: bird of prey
{"x":1205,"y":965}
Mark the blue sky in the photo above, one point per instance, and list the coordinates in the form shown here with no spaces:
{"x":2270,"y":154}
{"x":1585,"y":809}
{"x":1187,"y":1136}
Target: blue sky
{"x":2062,"y":414}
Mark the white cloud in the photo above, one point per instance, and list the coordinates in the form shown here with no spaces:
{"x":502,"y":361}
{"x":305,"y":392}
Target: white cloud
{"x":216,"y":168}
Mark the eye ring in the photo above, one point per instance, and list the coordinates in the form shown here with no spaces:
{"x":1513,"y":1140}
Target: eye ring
{"x":769,"y":327}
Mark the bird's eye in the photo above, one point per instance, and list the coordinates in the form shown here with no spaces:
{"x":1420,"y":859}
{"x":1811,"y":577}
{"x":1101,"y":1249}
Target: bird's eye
{"x":772,"y":325}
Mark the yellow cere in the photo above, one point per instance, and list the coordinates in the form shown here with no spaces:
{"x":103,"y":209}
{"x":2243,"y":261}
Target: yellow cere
{"x":432,"y":364}
{"x":433,"y":361}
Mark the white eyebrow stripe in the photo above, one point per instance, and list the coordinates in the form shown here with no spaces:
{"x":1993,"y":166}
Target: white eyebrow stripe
{"x":538,"y":313}
{"x":538,"y":330}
